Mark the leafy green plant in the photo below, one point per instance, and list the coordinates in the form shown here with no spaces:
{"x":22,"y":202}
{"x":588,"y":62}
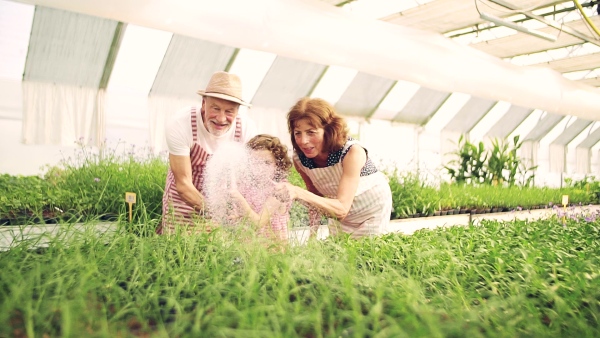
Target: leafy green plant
{"x":93,"y":183}
{"x":469,"y":166}
{"x":589,"y":184}
{"x":295,"y":178}
{"x":411,"y":195}
{"x":504,"y":164}
{"x":498,"y":279}
{"x":501,"y":165}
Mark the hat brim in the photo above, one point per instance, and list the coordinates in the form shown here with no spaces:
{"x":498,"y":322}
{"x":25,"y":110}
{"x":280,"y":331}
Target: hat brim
{"x":224,"y":97}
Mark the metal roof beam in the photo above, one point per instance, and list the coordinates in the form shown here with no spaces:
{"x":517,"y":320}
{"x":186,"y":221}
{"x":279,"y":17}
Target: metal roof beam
{"x":550,"y":23}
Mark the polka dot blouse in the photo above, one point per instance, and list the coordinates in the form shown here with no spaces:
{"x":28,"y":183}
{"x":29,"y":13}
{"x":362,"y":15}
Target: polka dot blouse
{"x":338,"y":156}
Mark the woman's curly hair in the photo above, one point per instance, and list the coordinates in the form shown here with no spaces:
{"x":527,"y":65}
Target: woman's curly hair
{"x":319,"y":114}
{"x":278,"y":149}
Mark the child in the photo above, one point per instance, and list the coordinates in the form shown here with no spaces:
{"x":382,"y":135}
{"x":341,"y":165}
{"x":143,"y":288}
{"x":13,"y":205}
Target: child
{"x":255,"y":197}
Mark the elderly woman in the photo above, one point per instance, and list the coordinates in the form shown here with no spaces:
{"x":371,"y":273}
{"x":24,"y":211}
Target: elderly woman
{"x":341,"y":179}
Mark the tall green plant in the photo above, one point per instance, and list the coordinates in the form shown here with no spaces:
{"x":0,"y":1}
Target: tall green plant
{"x":498,"y":162}
{"x":469,"y":166}
{"x":501,"y":165}
{"x":505,"y":165}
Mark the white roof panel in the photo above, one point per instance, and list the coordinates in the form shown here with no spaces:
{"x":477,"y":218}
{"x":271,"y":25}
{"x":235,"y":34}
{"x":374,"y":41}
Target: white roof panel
{"x":363,"y":95}
{"x":188,"y":65}
{"x":470,"y":114}
{"x":61,"y":48}
{"x":571,"y":132}
{"x":291,"y":79}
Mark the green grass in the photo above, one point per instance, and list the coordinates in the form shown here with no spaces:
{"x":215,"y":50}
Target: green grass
{"x":92,"y":184}
{"x":518,"y":279}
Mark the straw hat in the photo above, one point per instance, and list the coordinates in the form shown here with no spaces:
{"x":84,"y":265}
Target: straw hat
{"x":225,"y":86}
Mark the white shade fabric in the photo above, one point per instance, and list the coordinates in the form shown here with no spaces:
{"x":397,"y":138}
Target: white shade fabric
{"x":315,"y":31}
{"x":61,"y":114}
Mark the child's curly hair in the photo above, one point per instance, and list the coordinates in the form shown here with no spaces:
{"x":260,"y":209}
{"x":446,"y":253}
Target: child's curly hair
{"x":278,"y":149}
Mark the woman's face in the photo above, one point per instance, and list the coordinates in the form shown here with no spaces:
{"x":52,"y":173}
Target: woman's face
{"x":264,"y":162}
{"x":308,"y":138}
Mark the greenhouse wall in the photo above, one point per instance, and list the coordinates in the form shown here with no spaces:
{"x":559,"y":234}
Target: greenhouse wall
{"x":392,"y":145}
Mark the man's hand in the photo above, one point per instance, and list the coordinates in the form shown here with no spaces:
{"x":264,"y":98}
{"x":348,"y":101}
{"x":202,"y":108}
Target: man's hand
{"x":200,"y":208}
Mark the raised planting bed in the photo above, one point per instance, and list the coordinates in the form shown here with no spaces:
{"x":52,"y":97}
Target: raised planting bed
{"x":53,"y":217}
{"x":39,"y":235}
{"x":498,"y":279}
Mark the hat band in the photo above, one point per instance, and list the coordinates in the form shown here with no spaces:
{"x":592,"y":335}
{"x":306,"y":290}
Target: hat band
{"x":227,"y":94}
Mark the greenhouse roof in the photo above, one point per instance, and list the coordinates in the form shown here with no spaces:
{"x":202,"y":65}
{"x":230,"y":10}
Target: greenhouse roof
{"x":425,"y":54}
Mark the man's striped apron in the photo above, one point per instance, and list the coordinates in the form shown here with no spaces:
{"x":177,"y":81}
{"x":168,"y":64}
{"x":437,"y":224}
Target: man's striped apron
{"x":176,"y":212}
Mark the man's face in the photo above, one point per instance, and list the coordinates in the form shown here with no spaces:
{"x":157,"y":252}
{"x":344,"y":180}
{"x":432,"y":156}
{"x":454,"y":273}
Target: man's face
{"x":218,"y":114}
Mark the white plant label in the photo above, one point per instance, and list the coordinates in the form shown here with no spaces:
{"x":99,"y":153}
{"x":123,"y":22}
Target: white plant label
{"x":130,"y":197}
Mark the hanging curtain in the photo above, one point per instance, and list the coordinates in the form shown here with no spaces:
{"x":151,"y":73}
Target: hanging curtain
{"x":557,"y":158}
{"x":582,"y":161}
{"x":597,"y":167}
{"x":62,"y":114}
{"x":528,"y":153}
{"x":270,"y":121}
{"x":160,"y":109}
{"x":66,"y":61}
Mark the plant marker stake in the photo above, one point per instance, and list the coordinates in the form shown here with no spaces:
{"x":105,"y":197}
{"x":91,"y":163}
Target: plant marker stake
{"x":130,"y":199}
{"x":565,"y":201}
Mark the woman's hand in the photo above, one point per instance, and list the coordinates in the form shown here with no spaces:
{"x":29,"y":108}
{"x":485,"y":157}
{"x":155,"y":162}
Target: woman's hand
{"x":285,"y":192}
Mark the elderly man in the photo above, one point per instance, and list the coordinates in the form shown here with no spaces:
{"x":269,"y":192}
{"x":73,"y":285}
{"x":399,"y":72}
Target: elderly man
{"x":193,"y":134}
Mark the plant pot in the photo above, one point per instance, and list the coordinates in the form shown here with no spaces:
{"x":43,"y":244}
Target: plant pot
{"x":50,"y":220}
{"x":109,"y":217}
{"x":437,"y":213}
{"x":444,"y":212}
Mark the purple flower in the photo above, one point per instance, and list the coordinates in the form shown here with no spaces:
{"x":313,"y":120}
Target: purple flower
{"x":519,"y":208}
{"x":96,"y":179}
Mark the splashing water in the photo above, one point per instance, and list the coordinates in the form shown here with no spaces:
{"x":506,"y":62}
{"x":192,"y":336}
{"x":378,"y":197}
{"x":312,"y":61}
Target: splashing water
{"x":233,"y":166}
